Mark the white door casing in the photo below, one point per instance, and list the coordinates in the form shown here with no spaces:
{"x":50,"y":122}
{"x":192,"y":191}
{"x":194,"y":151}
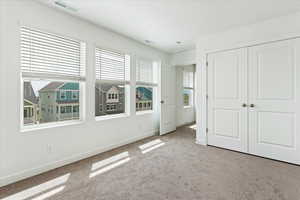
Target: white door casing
{"x":274,"y":89}
{"x":227,"y":93}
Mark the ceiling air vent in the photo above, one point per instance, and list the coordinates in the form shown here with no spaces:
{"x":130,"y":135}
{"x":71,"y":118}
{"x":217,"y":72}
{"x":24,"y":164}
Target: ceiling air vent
{"x":63,"y":5}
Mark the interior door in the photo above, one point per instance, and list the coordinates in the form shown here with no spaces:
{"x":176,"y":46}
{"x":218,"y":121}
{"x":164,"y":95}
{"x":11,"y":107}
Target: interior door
{"x":167,"y":100}
{"x":227,"y":99}
{"x":274,"y":91}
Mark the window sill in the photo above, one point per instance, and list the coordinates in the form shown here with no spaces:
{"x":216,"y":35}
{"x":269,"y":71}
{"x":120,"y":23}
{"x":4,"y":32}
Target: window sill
{"x":145,"y":112}
{"x":50,"y":125}
{"x":108,"y":117}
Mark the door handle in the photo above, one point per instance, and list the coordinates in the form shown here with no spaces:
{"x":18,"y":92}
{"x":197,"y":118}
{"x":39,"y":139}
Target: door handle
{"x":244,"y":105}
{"x":252,"y":105}
{"x":162,"y":101}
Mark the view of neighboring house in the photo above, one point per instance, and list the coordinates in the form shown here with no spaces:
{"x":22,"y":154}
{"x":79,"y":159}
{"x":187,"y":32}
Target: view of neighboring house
{"x":59,"y":101}
{"x":144,"y":98}
{"x":31,"y":112}
{"x":109,"y":99}
{"x":187,"y":95}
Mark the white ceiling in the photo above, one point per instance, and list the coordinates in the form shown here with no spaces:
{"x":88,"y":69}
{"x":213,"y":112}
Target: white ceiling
{"x":164,"y":22}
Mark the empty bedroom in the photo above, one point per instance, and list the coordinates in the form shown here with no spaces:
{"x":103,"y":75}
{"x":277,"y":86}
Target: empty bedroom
{"x":144,"y":100}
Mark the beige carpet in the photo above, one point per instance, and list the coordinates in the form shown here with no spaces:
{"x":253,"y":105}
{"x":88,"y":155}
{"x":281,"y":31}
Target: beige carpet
{"x":170,"y":167}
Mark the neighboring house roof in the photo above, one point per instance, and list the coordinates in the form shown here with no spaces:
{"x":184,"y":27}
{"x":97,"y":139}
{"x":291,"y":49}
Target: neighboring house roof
{"x":70,"y":86}
{"x":27,"y":103}
{"x":60,"y":85}
{"x":51,"y":86}
{"x":144,"y":93}
{"x":55,"y":86}
{"x":29,"y":94}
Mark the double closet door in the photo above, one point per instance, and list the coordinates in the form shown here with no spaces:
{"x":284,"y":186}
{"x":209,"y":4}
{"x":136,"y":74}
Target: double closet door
{"x":254,"y":100}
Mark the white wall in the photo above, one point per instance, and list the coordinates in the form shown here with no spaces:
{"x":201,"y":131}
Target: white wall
{"x":184,"y":115}
{"x":1,"y":89}
{"x":266,"y":31}
{"x":184,"y":58}
{"x":25,"y":153}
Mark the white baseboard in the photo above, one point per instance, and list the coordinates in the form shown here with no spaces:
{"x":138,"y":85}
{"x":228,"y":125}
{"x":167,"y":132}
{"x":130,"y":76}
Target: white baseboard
{"x":6,"y":180}
{"x":185,"y":124}
{"x":200,"y":142}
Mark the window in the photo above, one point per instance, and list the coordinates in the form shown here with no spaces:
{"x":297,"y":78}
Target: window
{"x":69,"y":109}
{"x":111,"y":107}
{"x":46,"y":57}
{"x":75,"y":95}
{"x":63,"y":109}
{"x":75,"y":109}
{"x":112,"y":82}
{"x":188,"y":88}
{"x":63,"y":95}
{"x":144,"y":98}
{"x":146,"y":76}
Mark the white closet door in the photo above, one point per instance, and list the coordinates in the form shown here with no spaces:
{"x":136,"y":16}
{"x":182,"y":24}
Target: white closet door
{"x":227,"y":92}
{"x":274,"y":91}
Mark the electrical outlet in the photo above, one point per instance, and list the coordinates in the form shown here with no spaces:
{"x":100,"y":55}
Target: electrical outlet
{"x":49,"y":148}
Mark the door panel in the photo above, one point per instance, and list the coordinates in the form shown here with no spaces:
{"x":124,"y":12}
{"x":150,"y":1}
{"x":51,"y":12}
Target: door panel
{"x":273,"y":88}
{"x":227,"y":92}
{"x":167,"y":97}
{"x":274,"y":122}
{"x":225,"y":123}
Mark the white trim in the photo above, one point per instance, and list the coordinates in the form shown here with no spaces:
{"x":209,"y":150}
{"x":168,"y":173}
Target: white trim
{"x":48,"y":125}
{"x":42,"y":76}
{"x":113,"y":82}
{"x":111,"y":116}
{"x":144,"y":112}
{"x":188,"y":88}
{"x":200,"y":142}
{"x":146,"y":84}
{"x":59,"y":163}
{"x":61,"y":79}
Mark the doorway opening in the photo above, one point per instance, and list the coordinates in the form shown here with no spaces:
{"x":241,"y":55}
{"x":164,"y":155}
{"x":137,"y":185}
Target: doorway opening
{"x":185,"y":97}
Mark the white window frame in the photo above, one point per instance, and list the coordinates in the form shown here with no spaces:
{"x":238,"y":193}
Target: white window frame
{"x":192,"y":88}
{"x":127,"y":89}
{"x":153,"y":85}
{"x":191,"y":100}
{"x":25,"y":76}
{"x":33,"y":127}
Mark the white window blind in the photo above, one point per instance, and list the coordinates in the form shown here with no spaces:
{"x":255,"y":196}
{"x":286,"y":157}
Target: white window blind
{"x":145,"y":72}
{"x":188,"y":79}
{"x":112,"y":66}
{"x":52,"y":56}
